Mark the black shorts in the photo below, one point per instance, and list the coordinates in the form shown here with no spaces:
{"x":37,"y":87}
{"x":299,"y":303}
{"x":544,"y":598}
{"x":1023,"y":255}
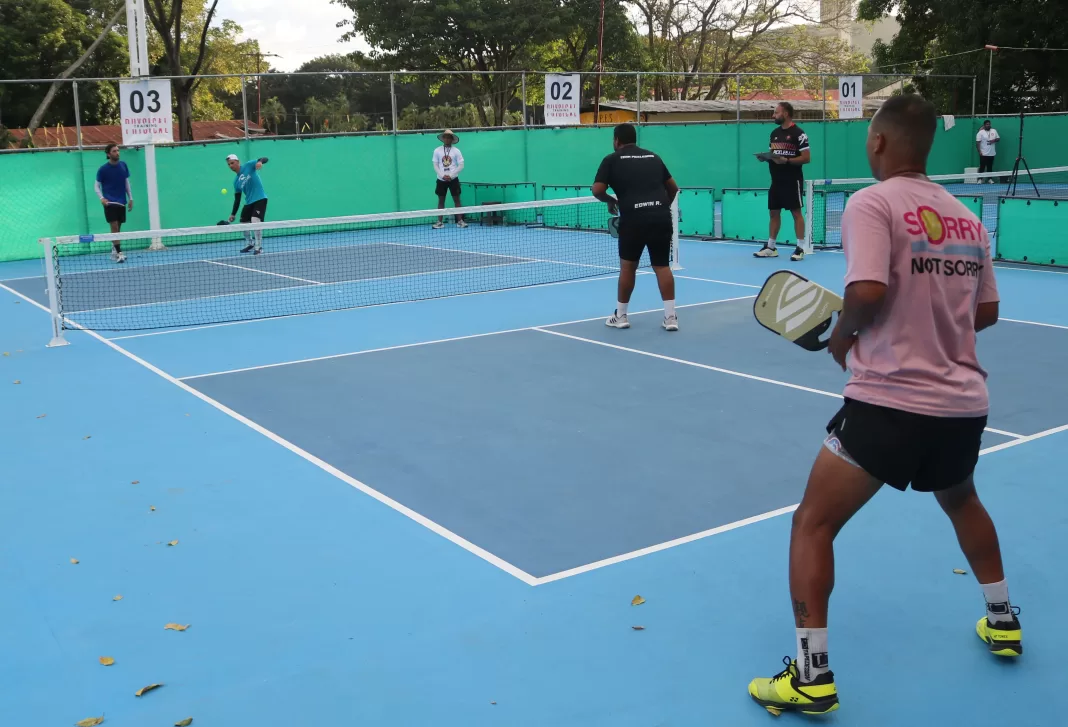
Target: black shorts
{"x":452,"y":186}
{"x":115,"y":213}
{"x":636,"y":234}
{"x":899,"y":447}
{"x":787,"y":195}
{"x":256,"y":209}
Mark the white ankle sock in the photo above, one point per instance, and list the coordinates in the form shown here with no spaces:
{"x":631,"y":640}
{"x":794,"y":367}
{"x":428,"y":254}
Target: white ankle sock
{"x":669,"y":308}
{"x":621,"y":309}
{"x":812,"y":653}
{"x":801,"y":244}
{"x":998,"y":609}
{"x":771,"y":244}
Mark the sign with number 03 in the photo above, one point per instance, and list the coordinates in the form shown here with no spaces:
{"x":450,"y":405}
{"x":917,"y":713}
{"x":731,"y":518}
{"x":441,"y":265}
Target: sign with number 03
{"x":851,"y":97}
{"x":146,"y":112}
{"x":563,"y":94}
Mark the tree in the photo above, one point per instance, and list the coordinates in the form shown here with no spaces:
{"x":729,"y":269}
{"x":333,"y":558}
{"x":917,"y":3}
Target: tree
{"x":1029,"y":80}
{"x":274,"y":113}
{"x":488,"y":37}
{"x":173,"y":27}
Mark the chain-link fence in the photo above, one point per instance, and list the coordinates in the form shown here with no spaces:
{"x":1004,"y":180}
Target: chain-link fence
{"x":86,"y":112}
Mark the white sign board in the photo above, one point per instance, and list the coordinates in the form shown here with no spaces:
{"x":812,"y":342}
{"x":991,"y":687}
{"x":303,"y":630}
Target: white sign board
{"x":562,"y":97}
{"x":146,"y":112}
{"x":851,"y":97}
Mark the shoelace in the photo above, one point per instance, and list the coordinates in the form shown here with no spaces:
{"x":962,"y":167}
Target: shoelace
{"x":787,"y":672}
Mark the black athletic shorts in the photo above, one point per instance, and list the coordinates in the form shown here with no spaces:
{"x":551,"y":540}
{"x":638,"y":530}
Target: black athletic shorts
{"x":636,"y":234}
{"x":115,"y":213}
{"x":899,"y":447}
{"x":786,"y":195}
{"x":256,"y":209}
{"x":450,"y":187}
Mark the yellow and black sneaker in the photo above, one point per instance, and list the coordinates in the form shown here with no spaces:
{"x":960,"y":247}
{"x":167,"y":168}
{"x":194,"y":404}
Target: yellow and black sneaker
{"x":785,"y":692}
{"x":1003,"y":639}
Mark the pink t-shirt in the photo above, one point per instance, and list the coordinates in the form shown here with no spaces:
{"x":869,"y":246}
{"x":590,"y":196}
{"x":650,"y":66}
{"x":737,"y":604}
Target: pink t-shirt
{"x":933,"y":255}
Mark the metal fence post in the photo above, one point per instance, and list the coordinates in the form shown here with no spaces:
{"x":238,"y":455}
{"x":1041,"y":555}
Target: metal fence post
{"x":393,"y":99}
{"x":639,"y":112}
{"x":973,"y":96}
{"x":738,"y":129}
{"x":524,"y":79}
{"x":77,"y":117}
{"x":823,"y":94}
{"x":244,"y":106}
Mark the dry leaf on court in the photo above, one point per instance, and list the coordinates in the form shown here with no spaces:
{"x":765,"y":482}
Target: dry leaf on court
{"x":176,"y":627}
{"x":960,"y":572}
{"x":492,"y":702}
{"x":638,"y":628}
{"x":41,"y":416}
{"x":90,"y":722}
{"x":145,"y":690}
{"x":88,"y":436}
{"x":136,"y":482}
{"x":172,"y":543}
{"x":107,"y":661}
{"x":184,"y":723}
{"x":152,"y":508}
{"x":117,"y":598}
{"x":6,"y":353}
{"x":74,"y":561}
{"x":17,"y":381}
{"x":637,"y":601}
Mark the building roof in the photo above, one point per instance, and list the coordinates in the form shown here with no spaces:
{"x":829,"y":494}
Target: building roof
{"x":747,"y":106}
{"x":66,"y":136}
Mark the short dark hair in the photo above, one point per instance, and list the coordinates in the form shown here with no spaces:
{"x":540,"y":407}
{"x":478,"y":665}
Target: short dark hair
{"x":788,"y":108}
{"x":626,"y":134}
{"x":911,"y":119}
{"x":986,"y":121}
{"x":109,"y":147}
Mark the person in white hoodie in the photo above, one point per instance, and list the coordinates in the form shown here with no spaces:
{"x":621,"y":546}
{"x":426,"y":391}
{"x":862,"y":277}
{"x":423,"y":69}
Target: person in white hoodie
{"x":448,"y":163}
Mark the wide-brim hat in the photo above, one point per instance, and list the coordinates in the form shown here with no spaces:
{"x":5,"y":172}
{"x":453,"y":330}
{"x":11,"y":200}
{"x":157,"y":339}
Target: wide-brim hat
{"x":448,"y":133}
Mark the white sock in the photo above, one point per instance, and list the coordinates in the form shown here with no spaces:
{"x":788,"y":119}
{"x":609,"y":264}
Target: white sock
{"x":621,"y":309}
{"x":812,"y":653}
{"x":801,"y":244}
{"x":771,"y":243}
{"x":669,"y":308}
{"x":998,"y":609}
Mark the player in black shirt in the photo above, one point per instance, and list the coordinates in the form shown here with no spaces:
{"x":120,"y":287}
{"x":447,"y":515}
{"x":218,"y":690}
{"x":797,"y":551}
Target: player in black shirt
{"x":644,"y":193}
{"x":789,"y":145}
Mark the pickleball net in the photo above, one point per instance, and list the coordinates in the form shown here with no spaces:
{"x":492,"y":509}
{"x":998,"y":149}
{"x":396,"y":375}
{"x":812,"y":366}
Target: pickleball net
{"x":201,"y":277}
{"x":827,"y":198}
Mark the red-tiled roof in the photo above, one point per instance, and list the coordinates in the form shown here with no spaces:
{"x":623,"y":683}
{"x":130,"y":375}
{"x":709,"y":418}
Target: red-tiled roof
{"x":795,"y":94}
{"x":101,"y":135}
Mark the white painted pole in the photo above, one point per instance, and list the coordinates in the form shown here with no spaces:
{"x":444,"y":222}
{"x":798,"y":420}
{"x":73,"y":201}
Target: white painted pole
{"x":137,"y":25}
{"x":53,"y":294}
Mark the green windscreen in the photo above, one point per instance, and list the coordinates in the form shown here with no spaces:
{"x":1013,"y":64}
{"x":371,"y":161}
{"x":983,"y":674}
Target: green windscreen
{"x":697,"y":212}
{"x":745,"y":216}
{"x":1033,"y":230}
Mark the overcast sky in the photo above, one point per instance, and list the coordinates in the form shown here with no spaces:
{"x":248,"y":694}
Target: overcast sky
{"x":297,"y":30}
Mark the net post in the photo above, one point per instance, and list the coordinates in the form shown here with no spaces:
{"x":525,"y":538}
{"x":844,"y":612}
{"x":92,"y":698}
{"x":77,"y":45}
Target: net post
{"x":153,"y":195}
{"x":676,"y":263}
{"x":810,"y":197}
{"x":48,"y":250}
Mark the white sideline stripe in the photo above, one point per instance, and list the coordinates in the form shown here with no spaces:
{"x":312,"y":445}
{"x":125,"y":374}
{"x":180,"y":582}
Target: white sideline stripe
{"x":509,"y":257}
{"x":1034,"y":323}
{"x":262,"y":272}
{"x":741,"y":523}
{"x":440,"y":340}
{"x":380,"y":305}
{"x":717,"y":369}
{"x":326,"y":467}
{"x":1003,"y":433}
{"x":448,"y":534}
{"x":721,"y":282}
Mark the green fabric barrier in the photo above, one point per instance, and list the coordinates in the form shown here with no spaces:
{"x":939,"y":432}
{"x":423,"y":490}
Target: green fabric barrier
{"x":697,"y":212}
{"x":973,"y":203}
{"x":745,"y":216}
{"x":1032,"y":230}
{"x":585,"y":219}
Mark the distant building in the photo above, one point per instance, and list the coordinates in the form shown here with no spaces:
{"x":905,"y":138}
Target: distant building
{"x":67,"y":136}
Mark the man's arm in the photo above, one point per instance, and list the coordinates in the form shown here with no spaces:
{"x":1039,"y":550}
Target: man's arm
{"x":260,"y":162}
{"x":672,"y":189}
{"x":439,"y":171}
{"x":803,"y":158}
{"x":129,"y":194}
{"x":459,"y":162}
{"x":237,"y":204}
{"x":600,"y":185}
{"x":986,"y":315}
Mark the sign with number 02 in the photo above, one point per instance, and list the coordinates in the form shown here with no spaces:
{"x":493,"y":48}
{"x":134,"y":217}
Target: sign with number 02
{"x":146,"y":112}
{"x":563,"y":94}
{"x":851,"y":97}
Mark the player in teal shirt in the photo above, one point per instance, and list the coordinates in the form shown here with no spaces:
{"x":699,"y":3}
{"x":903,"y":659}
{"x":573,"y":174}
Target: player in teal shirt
{"x":248,"y":183}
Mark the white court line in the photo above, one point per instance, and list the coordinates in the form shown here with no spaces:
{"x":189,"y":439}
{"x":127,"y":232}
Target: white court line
{"x":509,"y":257}
{"x":721,"y":282}
{"x":263,"y":272}
{"x":1033,"y":323}
{"x":742,"y":523}
{"x":717,"y":369}
{"x":1003,"y":433}
{"x":438,"y":529}
{"x":326,"y":467}
{"x":441,"y":340}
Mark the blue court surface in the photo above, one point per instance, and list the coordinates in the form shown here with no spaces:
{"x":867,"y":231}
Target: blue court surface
{"x":438,"y":513}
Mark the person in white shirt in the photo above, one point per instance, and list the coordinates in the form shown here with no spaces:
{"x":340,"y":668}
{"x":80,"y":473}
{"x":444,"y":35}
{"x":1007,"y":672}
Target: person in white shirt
{"x":986,"y":142}
{"x":448,"y":163}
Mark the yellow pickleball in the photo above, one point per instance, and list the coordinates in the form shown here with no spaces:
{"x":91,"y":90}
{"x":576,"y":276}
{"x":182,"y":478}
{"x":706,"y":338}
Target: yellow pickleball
{"x":224,"y":191}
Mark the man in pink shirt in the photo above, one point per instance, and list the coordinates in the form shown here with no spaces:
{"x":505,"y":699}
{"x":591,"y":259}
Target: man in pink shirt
{"x":919,"y":286}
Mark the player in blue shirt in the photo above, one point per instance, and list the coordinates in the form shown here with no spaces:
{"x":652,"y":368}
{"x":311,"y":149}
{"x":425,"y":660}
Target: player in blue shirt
{"x":113,"y":189}
{"x":248,"y":183}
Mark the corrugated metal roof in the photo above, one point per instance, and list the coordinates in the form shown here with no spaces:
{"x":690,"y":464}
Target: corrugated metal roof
{"x":699,"y":107}
{"x":102,"y":135}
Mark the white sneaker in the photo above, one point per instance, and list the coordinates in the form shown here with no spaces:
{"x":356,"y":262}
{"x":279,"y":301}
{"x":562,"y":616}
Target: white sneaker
{"x":671,"y":323}
{"x":438,"y":225}
{"x":799,"y":254}
{"x":121,"y":258}
{"x":618,"y":321}
{"x":461,"y":223}
{"x":766,"y":252}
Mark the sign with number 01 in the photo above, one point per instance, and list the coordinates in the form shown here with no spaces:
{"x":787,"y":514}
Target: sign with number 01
{"x":146,"y":112}
{"x":851,"y":97}
{"x":563,"y":94}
